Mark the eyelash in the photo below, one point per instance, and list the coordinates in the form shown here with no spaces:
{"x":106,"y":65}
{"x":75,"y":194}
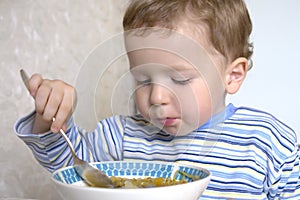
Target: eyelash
{"x":145,"y":82}
{"x":180,"y":82}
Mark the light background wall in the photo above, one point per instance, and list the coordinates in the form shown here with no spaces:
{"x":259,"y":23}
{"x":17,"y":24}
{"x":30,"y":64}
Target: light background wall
{"x":54,"y":38}
{"x":273,"y":84}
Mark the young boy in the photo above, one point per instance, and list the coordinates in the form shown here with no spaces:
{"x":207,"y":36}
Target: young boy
{"x":185,"y":56}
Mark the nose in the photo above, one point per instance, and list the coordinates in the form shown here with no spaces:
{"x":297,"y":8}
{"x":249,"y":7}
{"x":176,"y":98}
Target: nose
{"x":159,"y":94}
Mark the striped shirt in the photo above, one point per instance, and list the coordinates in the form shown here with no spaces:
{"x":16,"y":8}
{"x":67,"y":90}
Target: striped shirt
{"x":251,"y":154}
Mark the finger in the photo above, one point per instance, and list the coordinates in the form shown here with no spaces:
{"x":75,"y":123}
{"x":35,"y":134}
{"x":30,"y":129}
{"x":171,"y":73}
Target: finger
{"x":41,"y":98}
{"x":34,"y":83}
{"x":63,"y":113}
{"x":64,"y":127}
{"x":66,"y":107}
{"x":53,"y":103}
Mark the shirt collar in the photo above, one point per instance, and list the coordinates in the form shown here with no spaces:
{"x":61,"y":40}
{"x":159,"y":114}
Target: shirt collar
{"x":219,"y":117}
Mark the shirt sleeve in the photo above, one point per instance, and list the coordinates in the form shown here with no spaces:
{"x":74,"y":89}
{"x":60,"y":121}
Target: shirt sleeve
{"x":289,"y":181}
{"x":52,"y":152}
{"x":283,"y":178}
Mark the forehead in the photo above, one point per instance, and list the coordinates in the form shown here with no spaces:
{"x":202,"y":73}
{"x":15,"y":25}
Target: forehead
{"x":166,"y":48}
{"x":158,"y":57}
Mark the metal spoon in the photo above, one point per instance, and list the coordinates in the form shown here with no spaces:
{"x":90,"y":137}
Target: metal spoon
{"x":91,"y":175}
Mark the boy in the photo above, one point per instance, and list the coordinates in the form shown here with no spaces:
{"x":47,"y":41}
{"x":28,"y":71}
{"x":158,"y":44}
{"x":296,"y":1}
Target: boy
{"x":185,"y":56}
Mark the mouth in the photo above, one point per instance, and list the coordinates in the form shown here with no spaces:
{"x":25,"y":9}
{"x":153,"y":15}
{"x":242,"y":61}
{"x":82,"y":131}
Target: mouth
{"x":168,"y":121}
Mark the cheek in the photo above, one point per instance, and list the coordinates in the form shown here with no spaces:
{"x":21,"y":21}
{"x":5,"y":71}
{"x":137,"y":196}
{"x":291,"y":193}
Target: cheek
{"x":197,"y":108}
{"x":141,"y":99}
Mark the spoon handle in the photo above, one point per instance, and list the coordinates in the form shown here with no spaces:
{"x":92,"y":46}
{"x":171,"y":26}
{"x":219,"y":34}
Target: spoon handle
{"x":66,"y":138}
{"x":25,"y":78}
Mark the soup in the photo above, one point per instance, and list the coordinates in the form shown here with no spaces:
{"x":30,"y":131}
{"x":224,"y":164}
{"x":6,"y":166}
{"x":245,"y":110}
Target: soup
{"x":148,"y":182}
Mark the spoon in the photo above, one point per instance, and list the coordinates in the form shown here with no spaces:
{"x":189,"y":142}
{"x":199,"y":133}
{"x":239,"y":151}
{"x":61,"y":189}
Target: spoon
{"x":91,"y":175}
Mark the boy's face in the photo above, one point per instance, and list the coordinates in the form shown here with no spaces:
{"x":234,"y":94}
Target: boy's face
{"x":177,"y":88}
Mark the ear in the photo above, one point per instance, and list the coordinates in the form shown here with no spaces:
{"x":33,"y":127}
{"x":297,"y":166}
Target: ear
{"x":235,"y":74}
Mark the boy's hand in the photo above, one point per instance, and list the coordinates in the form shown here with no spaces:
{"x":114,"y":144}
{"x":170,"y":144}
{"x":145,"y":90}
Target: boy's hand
{"x":53,"y":98}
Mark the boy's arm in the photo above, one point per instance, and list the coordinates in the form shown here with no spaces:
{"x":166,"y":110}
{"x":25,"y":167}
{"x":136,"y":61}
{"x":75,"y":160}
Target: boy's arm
{"x":52,"y":152}
{"x":284,"y":180}
{"x":290,"y":180}
{"x":49,"y":148}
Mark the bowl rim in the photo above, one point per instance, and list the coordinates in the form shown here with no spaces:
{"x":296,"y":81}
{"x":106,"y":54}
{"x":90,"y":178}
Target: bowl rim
{"x":207,"y":178}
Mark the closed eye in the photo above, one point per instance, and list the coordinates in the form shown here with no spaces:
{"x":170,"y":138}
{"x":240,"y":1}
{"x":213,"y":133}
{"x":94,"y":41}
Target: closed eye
{"x":143,"y":82}
{"x":181,"y":81}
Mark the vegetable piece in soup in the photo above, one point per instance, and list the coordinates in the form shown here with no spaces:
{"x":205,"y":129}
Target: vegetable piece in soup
{"x":147,"y":182}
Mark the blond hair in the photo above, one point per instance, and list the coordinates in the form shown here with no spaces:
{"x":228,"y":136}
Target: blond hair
{"x":227,"y":22}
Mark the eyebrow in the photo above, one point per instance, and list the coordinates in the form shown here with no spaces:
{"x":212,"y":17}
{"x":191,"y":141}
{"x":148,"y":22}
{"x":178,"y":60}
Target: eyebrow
{"x":183,"y":67}
{"x":180,"y":68}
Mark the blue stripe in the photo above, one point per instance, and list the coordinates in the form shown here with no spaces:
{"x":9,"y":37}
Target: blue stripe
{"x":242,"y":150}
{"x":266,"y":127}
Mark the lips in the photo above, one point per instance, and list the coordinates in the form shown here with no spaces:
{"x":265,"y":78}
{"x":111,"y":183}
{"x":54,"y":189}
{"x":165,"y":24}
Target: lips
{"x":168,"y":121}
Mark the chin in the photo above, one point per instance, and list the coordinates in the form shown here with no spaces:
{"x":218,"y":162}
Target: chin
{"x":176,"y":132}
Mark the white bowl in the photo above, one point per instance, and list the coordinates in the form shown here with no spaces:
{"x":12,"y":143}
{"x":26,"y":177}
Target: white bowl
{"x":72,"y":187}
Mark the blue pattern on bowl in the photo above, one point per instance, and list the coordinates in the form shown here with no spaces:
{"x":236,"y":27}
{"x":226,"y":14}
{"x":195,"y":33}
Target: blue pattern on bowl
{"x":143,"y":169}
